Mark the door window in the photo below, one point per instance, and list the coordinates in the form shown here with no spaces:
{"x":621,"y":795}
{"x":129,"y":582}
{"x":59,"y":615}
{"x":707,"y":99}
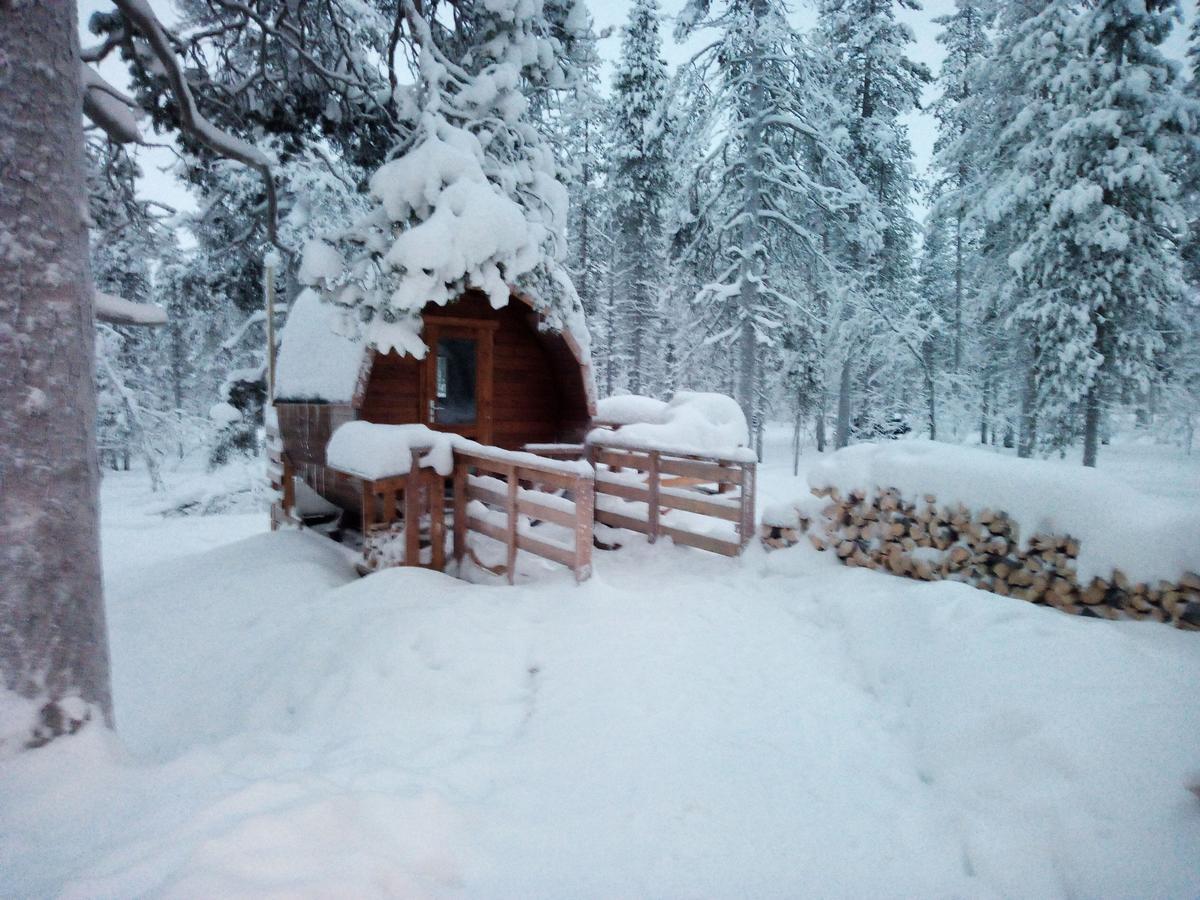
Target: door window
{"x":455,"y":400}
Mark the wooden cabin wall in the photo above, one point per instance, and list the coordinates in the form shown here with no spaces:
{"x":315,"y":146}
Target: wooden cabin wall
{"x":393,"y":395}
{"x":305,"y":429}
{"x":538,"y":392}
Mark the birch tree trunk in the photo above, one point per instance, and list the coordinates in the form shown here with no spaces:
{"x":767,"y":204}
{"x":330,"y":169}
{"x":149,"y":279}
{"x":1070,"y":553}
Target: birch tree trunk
{"x":53,"y":645}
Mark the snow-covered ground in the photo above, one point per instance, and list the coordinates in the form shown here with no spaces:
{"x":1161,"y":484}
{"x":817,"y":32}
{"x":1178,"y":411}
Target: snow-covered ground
{"x":680,"y":726}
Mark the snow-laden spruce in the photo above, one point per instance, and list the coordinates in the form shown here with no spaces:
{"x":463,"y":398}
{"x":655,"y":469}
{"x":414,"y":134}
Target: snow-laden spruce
{"x":473,"y":197}
{"x":777,"y":197}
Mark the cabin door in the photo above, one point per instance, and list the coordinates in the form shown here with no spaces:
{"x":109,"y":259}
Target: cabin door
{"x":456,"y":383}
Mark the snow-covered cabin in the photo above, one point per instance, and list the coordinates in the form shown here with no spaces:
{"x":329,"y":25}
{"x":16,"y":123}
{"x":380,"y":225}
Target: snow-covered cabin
{"x":497,"y":376}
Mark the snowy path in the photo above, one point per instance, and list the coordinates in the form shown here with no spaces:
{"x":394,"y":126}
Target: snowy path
{"x":681,"y":726}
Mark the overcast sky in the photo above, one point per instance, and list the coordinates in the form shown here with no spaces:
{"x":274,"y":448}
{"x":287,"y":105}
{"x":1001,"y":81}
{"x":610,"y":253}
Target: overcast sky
{"x":611,"y":14}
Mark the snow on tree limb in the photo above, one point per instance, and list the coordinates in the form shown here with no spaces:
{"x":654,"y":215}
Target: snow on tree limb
{"x":118,"y":311}
{"x":108,"y":108}
{"x":222,"y":143}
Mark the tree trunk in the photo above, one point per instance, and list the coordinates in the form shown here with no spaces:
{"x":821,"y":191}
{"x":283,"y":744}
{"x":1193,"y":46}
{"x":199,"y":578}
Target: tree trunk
{"x":1093,"y":405}
{"x":751,"y":270}
{"x":842,"y":434}
{"x":53,"y":644}
{"x":927,"y":368}
{"x":958,"y":290}
{"x":820,"y":423}
{"x":796,"y":423}
{"x":1027,"y":439}
{"x":984,"y":412}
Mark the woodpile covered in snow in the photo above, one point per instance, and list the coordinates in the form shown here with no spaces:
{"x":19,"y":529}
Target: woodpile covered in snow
{"x":931,"y":536}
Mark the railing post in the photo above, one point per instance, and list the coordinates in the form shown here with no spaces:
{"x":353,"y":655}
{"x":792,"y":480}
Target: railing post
{"x":746,"y":525}
{"x":368,"y":507}
{"x":652,"y":481}
{"x":460,"y":510}
{"x":585,"y":524}
{"x":412,"y":512}
{"x":437,"y":520}
{"x":512,"y":523}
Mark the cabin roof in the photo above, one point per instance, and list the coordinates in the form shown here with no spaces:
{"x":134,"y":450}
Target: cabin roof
{"x":316,"y":361}
{"x":319,"y":362}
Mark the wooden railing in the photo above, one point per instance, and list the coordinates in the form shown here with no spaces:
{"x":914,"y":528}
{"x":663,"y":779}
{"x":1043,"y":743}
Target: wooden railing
{"x":711,"y":486}
{"x":516,"y":486}
{"x":407,"y":499}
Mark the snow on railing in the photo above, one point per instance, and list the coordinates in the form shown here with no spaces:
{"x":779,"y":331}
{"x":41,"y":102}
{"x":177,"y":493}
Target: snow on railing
{"x":637,"y":486}
{"x":500,"y":494}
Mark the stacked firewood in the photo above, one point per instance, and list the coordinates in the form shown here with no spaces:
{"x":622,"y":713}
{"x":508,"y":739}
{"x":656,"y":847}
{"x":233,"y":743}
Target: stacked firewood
{"x":928,"y":541}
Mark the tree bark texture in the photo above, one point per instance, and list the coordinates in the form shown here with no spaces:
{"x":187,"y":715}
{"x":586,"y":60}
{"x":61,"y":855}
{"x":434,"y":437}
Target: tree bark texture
{"x":53,"y":643}
{"x":841,"y":437}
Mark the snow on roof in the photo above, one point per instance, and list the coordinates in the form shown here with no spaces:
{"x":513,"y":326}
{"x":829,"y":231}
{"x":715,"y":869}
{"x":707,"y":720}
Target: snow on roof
{"x":316,"y":360}
{"x":626,"y":409}
{"x":692,"y":423}
{"x":321,"y":356}
{"x":443,"y":227}
{"x":119,"y":311}
{"x":1147,"y":537}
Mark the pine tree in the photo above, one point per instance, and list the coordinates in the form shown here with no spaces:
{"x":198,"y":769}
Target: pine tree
{"x":775,"y":188}
{"x":474,"y":197}
{"x":639,"y":183}
{"x":53,"y":644}
{"x":955,"y":179}
{"x":1101,"y":265}
{"x":880,"y":83}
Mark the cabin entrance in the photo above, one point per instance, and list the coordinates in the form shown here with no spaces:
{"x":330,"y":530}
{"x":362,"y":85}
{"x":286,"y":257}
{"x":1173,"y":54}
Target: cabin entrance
{"x":457,"y":376}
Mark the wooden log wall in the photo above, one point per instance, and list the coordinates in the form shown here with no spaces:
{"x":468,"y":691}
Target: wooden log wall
{"x":928,"y":541}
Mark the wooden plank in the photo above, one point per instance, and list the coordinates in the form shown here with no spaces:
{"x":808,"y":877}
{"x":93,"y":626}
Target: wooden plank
{"x":625,"y":491}
{"x":485,"y":408}
{"x":460,"y":511}
{"x":695,"y":469}
{"x":652,"y":489}
{"x":412,"y":523}
{"x":620,"y":459}
{"x":485,"y":494}
{"x":584,"y":530}
{"x":288,"y":479}
{"x":551,"y":478}
{"x":620,"y":520}
{"x":546,"y":550}
{"x":524,"y":472}
{"x":487,"y":529}
{"x":746,"y":526}
{"x":510,"y":507}
{"x":437,"y":520}
{"x":702,"y":506}
{"x":702,"y":541}
{"x":535,"y":510}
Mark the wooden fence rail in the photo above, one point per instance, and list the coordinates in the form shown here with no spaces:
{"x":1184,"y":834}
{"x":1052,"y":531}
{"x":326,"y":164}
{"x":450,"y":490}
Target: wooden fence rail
{"x":711,"y":486}
{"x":499,"y":483}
